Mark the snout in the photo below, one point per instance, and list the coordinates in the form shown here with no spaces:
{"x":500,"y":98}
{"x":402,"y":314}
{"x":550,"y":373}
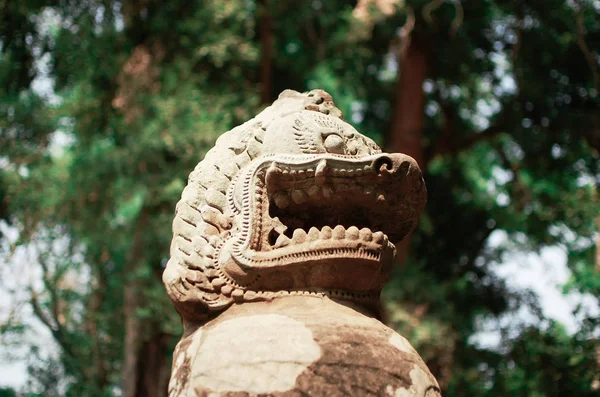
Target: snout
{"x":398,"y":165}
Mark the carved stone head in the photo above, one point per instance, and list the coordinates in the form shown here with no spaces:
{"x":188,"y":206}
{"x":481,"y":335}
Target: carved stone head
{"x":294,"y":201}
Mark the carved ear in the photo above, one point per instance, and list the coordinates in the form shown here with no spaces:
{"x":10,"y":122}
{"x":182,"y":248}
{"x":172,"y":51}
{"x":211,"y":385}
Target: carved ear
{"x":322,"y":102}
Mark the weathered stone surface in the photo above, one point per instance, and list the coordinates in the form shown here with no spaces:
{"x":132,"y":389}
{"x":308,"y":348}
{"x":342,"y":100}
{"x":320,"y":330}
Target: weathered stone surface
{"x":290,"y":215}
{"x":297,"y":346}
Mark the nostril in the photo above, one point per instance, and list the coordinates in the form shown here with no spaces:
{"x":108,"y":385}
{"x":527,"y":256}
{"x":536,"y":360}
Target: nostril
{"x":383,"y":163}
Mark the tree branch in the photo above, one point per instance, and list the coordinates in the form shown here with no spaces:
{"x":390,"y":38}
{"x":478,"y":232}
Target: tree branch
{"x":55,"y":328}
{"x":266,"y":52}
{"x":586,"y":51}
{"x":91,"y":322}
{"x":39,"y":312}
{"x":45,"y":275}
{"x":458,"y":18}
{"x":429,"y":8}
{"x":444,"y":143}
{"x":598,"y":245}
{"x":519,"y":189}
{"x":52,"y":319}
{"x":485,"y":135}
{"x":517,"y":47}
{"x":448,"y":146}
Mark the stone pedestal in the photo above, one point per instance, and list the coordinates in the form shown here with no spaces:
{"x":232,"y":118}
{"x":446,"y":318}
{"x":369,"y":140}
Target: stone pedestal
{"x":298,"y":346}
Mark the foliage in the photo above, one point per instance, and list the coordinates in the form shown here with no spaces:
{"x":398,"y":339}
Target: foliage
{"x":5,"y":392}
{"x":91,"y":171}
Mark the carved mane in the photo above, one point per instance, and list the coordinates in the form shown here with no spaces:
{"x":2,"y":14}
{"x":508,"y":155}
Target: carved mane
{"x":202,"y":219}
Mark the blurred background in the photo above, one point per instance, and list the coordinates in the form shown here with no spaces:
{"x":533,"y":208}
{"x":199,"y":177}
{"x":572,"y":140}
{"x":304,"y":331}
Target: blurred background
{"x":107,"y":105}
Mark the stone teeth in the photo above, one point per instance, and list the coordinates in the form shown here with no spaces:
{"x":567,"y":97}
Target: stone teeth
{"x":282,"y":241}
{"x":339,"y":232}
{"x":274,"y":168}
{"x":272,"y":173}
{"x":282,"y":200}
{"x":299,"y":196}
{"x":321,"y":167}
{"x":299,"y":236}
{"x":313,"y":234}
{"x":227,"y":290}
{"x":217,"y":283}
{"x":278,"y":226}
{"x":378,"y":237}
{"x":320,"y":172}
{"x":326,"y":232}
{"x":366,"y":234}
{"x":237,"y":294}
{"x":352,"y":233}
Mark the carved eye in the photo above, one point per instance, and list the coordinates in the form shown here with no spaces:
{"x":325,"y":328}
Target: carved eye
{"x":334,"y":144}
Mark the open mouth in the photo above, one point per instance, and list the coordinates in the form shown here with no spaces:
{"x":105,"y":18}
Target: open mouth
{"x":357,"y":207}
{"x":323,"y":221}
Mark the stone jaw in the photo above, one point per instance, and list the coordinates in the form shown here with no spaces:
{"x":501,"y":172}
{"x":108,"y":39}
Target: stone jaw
{"x":313,"y":252}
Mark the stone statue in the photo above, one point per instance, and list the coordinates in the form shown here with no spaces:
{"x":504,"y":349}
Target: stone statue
{"x":282,"y":242}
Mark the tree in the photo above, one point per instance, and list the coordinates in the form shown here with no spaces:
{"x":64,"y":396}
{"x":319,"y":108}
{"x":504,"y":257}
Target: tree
{"x":4,"y":392}
{"x":497,"y":100}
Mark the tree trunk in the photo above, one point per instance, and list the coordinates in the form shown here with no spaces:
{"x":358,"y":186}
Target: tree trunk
{"x":145,"y":364}
{"x":154,"y":369}
{"x":133,"y":338}
{"x":133,"y":323}
{"x":99,"y":365}
{"x":266,"y":52}
{"x":598,"y":245}
{"x":406,"y":129}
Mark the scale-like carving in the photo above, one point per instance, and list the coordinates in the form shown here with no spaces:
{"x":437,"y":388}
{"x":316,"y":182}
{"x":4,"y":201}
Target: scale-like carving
{"x":294,"y":202}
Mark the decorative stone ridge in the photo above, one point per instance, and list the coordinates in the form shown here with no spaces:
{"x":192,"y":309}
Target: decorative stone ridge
{"x":282,"y":241}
